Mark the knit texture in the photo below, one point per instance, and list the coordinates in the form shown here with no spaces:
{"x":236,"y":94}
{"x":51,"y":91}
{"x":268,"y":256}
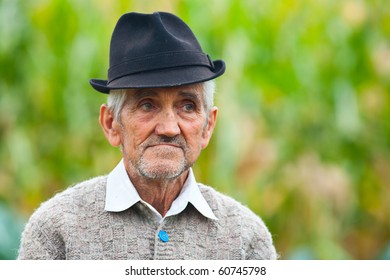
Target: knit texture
{"x":74,"y":225}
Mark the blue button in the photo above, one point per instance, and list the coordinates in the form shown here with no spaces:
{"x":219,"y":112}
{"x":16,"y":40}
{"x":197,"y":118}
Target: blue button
{"x":163,"y":236}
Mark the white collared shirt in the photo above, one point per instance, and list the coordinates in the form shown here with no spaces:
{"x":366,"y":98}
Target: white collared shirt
{"x":121,"y":195}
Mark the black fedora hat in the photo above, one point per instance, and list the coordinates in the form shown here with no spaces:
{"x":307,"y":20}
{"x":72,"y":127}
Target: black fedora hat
{"x":155,"y":50}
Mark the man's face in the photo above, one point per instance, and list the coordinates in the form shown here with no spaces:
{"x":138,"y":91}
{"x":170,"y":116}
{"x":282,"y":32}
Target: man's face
{"x":163,"y":130}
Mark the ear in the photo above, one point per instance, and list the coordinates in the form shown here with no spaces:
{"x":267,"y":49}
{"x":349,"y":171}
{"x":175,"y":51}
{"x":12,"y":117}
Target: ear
{"x":110,"y":126}
{"x":209,"y":127}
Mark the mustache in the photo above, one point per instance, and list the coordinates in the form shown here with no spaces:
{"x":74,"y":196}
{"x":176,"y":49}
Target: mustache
{"x":162,"y":139}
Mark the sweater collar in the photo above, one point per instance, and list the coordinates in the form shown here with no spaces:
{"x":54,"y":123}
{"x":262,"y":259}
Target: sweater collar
{"x":121,"y":195}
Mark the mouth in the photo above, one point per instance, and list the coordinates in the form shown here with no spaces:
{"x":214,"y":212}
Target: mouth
{"x":164,"y":150}
{"x":164,"y":144}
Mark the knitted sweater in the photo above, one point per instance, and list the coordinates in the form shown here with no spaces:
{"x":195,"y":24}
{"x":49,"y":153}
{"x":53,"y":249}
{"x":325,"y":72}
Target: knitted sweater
{"x":74,"y":225}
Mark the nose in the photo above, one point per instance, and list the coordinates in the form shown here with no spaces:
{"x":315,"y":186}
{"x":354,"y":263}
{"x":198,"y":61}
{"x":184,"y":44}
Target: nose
{"x":167,"y":124}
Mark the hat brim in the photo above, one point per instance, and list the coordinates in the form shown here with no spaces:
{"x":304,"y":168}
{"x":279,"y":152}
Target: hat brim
{"x":169,"y":77}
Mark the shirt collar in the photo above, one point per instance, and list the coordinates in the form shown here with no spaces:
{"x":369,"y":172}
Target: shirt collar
{"x":121,"y":195}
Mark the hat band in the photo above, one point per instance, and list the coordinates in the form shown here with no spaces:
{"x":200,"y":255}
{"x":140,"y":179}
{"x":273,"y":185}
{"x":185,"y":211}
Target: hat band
{"x":157,"y":62}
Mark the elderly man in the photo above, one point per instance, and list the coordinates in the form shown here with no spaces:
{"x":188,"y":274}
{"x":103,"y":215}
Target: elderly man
{"x":160,"y":113}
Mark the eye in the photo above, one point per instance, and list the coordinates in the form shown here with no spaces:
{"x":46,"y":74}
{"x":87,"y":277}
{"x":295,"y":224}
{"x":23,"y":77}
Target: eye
{"x":189,"y":107}
{"x":146,"y":106}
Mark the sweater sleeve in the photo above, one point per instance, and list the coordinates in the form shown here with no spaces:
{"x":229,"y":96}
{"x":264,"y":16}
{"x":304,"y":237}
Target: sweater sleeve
{"x":258,"y":243}
{"x":40,"y":238}
{"x":255,"y":239}
{"x":261,"y":246}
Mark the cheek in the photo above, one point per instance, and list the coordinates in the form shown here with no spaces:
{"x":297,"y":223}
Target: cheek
{"x":134,"y":139}
{"x":193,"y":133}
{"x":136,"y":131}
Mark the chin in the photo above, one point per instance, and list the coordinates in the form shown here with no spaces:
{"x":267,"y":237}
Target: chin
{"x":161,"y":175}
{"x":162,"y":169}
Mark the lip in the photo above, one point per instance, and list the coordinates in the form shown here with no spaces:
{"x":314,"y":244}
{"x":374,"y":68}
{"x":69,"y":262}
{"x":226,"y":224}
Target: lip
{"x":165,"y":144}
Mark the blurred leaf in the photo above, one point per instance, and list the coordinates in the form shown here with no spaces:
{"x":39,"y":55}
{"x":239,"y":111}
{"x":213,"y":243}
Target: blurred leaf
{"x":10,"y":230}
{"x":385,"y":255}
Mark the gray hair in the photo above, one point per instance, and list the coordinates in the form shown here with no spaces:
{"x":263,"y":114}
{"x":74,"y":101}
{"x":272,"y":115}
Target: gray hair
{"x":117,"y":97}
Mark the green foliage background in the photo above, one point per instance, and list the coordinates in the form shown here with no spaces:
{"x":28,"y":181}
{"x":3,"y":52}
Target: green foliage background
{"x":303,"y":135}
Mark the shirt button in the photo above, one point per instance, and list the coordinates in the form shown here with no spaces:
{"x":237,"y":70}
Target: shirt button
{"x":163,"y":236}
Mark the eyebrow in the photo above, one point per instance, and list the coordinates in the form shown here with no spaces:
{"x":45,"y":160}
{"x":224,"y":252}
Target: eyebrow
{"x":190,"y":95}
{"x":142,"y":93}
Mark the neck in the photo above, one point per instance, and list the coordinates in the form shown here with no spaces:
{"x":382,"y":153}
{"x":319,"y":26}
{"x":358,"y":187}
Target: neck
{"x":159,"y":193}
